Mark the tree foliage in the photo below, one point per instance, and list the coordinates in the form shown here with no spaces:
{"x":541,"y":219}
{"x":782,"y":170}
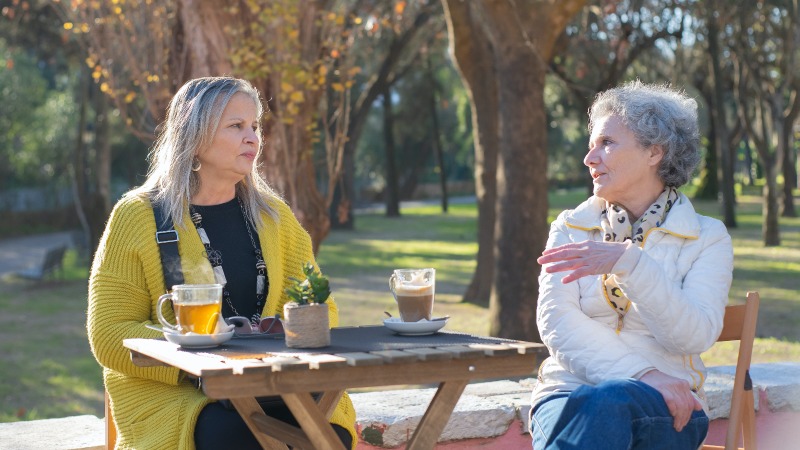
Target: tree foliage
{"x":36,"y":108}
{"x":142,"y":51}
{"x":132,"y":55}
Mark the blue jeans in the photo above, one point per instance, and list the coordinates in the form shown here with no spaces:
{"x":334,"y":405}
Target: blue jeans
{"x":613,"y":415}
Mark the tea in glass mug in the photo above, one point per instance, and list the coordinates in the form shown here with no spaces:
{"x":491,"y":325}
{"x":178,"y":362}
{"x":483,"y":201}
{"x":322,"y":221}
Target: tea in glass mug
{"x":197,"y":308}
{"x":413,"y":290}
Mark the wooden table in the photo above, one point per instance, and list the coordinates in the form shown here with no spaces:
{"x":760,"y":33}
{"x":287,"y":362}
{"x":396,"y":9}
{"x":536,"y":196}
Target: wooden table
{"x":243,"y":369}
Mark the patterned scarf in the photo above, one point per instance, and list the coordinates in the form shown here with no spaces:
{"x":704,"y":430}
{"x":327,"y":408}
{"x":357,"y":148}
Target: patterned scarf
{"x":616,"y":227}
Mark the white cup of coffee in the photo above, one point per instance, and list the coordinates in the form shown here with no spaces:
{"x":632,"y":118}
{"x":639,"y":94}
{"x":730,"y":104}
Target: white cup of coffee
{"x":197,"y":307}
{"x":413,"y":290}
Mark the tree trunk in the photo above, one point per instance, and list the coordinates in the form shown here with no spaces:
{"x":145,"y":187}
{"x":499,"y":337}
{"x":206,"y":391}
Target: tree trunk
{"x":99,"y":207}
{"x":204,"y":29}
{"x":78,"y":167}
{"x":437,"y":138}
{"x":771,"y":232}
{"x":787,"y":144}
{"x":472,"y":54}
{"x":749,"y":161}
{"x":308,"y":205}
{"x":392,"y":193}
{"x":341,"y":209}
{"x":720,"y":125}
{"x":789,"y":159}
{"x":521,"y":199}
{"x":709,"y":178}
{"x":522,"y":40}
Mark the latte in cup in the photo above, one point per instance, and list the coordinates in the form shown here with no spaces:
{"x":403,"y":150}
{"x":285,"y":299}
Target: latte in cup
{"x":414,"y":302}
{"x":413,"y":289}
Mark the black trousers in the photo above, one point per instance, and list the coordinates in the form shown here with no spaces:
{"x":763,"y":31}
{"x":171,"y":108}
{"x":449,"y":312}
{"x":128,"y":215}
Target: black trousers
{"x":221,"y":428}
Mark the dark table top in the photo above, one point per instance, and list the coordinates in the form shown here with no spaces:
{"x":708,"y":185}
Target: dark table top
{"x":356,"y":339}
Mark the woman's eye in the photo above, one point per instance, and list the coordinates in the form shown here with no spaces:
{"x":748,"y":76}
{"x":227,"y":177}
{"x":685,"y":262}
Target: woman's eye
{"x":236,"y":125}
{"x":255,"y":128}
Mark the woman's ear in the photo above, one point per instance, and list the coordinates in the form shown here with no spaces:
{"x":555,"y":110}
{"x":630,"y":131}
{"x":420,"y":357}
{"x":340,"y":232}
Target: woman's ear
{"x":656,"y":154}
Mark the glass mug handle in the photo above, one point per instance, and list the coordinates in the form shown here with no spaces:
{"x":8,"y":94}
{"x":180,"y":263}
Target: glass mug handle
{"x":167,"y":326}
{"x":392,"y":282}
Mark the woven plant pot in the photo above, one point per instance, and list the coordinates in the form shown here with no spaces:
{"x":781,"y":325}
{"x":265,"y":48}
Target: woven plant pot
{"x":306,"y":326}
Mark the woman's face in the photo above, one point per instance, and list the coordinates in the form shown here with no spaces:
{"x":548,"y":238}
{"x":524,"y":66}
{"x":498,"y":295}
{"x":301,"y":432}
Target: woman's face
{"x":621,"y":169}
{"x":235,"y":144}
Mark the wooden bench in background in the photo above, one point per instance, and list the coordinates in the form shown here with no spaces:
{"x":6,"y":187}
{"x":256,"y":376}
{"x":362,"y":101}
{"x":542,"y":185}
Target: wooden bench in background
{"x":53,"y":262}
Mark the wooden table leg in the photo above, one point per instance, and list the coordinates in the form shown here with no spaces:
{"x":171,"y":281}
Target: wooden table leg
{"x":313,"y":422}
{"x":252,"y":413}
{"x":436,"y":416}
{"x":328,"y":402}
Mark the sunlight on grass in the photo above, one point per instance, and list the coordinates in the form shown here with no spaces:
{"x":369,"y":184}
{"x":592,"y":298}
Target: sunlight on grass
{"x":765,"y":350}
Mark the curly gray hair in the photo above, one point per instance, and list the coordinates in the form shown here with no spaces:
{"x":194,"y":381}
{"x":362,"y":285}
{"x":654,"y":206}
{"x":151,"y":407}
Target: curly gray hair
{"x":656,"y":115}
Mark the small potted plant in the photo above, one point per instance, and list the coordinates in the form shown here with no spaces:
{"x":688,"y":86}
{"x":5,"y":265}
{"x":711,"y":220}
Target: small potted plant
{"x":305,"y":316}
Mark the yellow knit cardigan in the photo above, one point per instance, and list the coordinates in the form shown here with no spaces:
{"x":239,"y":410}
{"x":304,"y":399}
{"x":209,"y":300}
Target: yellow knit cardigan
{"x":152,"y":408}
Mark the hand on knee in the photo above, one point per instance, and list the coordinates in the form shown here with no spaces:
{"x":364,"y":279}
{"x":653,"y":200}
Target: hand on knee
{"x":677,"y":394}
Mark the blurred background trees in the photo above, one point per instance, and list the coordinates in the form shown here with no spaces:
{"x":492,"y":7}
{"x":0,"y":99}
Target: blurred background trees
{"x":382,"y":101}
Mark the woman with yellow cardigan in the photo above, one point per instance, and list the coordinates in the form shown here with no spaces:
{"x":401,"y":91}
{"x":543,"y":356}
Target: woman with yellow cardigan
{"x":232,"y":229}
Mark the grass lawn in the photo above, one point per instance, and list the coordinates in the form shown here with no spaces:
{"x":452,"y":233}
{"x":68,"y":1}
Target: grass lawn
{"x":51,"y":372}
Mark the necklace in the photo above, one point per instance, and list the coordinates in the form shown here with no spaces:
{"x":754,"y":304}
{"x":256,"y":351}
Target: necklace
{"x":215,"y":258}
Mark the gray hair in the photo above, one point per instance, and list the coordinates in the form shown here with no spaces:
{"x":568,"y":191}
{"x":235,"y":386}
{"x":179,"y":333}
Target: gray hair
{"x":192,"y":119}
{"x":656,"y":115}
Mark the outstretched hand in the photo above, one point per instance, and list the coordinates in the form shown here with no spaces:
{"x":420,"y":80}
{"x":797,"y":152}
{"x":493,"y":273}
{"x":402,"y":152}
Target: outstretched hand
{"x":677,"y":394}
{"x":582,"y":258}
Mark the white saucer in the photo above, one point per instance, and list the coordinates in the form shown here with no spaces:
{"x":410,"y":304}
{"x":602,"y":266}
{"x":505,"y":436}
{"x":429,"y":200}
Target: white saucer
{"x":198,"y":340}
{"x":421,"y":328}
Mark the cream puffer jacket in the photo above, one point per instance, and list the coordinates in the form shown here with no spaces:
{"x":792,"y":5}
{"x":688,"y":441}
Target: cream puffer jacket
{"x":678,"y":286}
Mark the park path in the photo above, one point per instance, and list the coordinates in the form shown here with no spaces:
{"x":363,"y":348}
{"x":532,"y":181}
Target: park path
{"x":24,"y":252}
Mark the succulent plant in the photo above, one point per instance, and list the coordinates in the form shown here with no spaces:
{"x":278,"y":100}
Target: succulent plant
{"x":313,"y":289}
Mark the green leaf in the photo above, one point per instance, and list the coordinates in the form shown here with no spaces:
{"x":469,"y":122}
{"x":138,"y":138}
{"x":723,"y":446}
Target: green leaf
{"x":315,"y":288}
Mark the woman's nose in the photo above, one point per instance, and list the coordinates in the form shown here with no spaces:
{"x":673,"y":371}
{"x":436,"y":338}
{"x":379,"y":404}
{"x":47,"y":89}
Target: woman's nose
{"x":590,"y":159}
{"x":252,"y":137}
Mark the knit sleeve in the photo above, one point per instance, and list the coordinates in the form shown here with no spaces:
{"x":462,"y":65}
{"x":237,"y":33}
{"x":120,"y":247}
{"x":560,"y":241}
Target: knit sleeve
{"x":121,"y":289}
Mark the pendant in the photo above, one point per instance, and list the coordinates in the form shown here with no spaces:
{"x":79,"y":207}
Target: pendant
{"x":260,"y":284}
{"x":203,"y":236}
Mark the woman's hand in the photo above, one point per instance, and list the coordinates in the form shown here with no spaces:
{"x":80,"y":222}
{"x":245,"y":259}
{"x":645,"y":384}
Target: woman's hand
{"x":582,"y":258}
{"x":677,"y":394}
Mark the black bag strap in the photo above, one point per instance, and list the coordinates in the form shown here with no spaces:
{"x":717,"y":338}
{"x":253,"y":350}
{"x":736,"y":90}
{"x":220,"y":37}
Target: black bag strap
{"x":167,"y":240}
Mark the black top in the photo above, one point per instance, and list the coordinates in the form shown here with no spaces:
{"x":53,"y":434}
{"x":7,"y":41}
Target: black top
{"x":224,"y":225}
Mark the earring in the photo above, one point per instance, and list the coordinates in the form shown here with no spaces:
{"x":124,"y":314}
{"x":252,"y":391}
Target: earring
{"x":196,"y":164}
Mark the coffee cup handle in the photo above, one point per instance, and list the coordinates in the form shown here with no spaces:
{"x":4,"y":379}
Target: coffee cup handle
{"x":164,"y":322}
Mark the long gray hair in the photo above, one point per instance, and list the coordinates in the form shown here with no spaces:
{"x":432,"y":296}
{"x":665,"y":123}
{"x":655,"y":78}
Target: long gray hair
{"x":192,"y":119}
{"x":656,"y":115}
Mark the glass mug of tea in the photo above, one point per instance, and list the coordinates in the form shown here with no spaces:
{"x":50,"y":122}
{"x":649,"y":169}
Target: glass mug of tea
{"x":197,"y":308}
{"x":413,"y":290}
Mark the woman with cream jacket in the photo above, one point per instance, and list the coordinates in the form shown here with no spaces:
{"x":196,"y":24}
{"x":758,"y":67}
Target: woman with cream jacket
{"x":633,"y":287}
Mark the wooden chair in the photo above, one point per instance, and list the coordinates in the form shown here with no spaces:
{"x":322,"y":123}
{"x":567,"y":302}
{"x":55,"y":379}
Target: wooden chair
{"x":111,"y":429}
{"x":740,"y":324}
